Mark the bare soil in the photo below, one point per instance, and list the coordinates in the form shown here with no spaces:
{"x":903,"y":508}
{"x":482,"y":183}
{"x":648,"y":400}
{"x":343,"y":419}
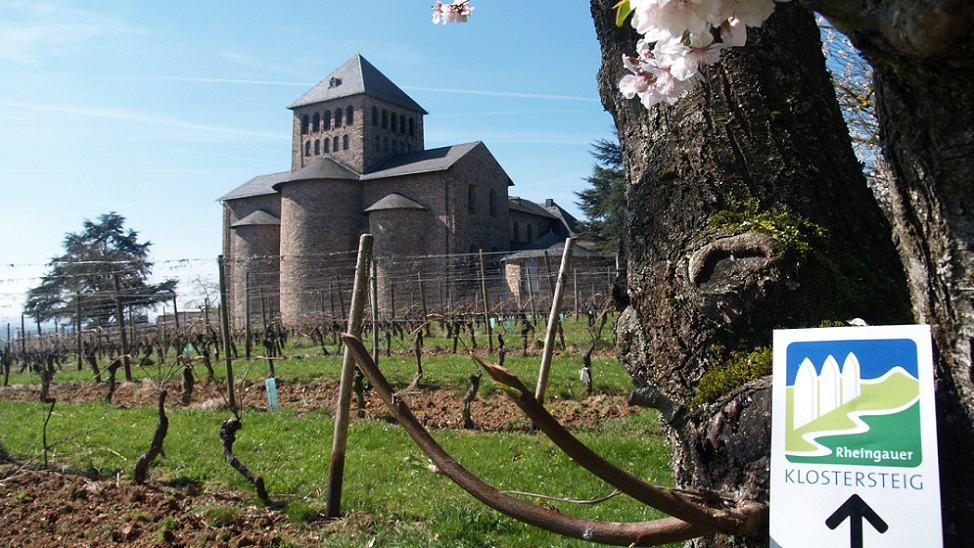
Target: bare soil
{"x":61,"y":508}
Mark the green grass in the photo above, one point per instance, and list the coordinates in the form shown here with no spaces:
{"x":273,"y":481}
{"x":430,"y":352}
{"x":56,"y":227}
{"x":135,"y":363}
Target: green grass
{"x":386,"y":477}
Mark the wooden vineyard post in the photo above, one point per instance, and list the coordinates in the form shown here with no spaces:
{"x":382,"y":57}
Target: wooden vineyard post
{"x":120,"y":316}
{"x":247,"y":334}
{"x":225,"y":320}
{"x":483,"y":291}
{"x":553,"y":321}
{"x":374,"y":298}
{"x":333,"y":499}
{"x":77,"y":316}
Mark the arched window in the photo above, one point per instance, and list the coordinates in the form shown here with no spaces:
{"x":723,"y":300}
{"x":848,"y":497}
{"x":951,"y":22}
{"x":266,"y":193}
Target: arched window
{"x":327,"y":147}
{"x":327,"y":120}
{"x":317,"y":147}
{"x":349,"y":115}
{"x":402,"y":124}
{"x":307,"y":148}
{"x":471,"y":199}
{"x":338,"y":117}
{"x":393,"y":124}
{"x":375,"y":116}
{"x":517,"y":232}
{"x":304,"y":125}
{"x":385,"y":119}
{"x":344,"y":142}
{"x":492,"y":202}
{"x":315,"y":122}
{"x":412,"y":127}
{"x":334,"y":144}
{"x":530,"y":235}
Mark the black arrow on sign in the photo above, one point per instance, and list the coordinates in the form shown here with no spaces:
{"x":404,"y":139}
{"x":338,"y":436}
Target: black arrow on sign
{"x":856,"y":509}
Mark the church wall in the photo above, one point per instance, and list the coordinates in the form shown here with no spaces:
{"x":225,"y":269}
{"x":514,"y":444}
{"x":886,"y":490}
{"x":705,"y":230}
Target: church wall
{"x":400,"y":242}
{"x":237,"y":251}
{"x":319,"y":219}
{"x":361,"y":145}
{"x":382,"y":138}
{"x":255,"y":271}
{"x":478,"y":226}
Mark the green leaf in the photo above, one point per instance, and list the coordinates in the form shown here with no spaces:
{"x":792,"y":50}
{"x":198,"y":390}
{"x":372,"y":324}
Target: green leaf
{"x":623,"y":9}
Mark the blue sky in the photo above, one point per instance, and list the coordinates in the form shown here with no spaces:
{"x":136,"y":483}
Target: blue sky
{"x":156,"y":109}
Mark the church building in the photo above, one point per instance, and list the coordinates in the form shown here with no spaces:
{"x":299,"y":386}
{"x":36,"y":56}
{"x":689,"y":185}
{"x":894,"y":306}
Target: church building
{"x":358,"y":164}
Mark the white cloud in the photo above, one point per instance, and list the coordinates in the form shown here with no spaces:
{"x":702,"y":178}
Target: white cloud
{"x":505,"y":94}
{"x":30,"y":31}
{"x":143,"y":118}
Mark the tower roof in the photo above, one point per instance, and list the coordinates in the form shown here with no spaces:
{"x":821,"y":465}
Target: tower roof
{"x":354,"y":77}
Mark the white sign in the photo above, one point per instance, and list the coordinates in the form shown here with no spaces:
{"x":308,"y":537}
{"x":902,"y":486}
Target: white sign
{"x":854,"y":439}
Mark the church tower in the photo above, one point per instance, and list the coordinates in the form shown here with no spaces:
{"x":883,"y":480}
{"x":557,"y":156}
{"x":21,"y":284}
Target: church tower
{"x":357,"y":117}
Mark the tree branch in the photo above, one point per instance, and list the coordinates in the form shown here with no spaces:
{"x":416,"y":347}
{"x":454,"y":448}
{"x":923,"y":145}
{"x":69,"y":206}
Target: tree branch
{"x":921,"y":29}
{"x":748,"y":518}
{"x":622,"y":534}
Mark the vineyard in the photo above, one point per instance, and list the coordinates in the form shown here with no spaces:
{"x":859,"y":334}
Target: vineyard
{"x":183,"y":433}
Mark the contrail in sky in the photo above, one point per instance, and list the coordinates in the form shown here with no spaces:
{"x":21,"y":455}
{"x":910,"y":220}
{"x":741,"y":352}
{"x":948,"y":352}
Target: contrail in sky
{"x":520,"y":95}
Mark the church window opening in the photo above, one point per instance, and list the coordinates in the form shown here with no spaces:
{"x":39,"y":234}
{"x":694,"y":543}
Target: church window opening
{"x":393,"y":128}
{"x":492,"y":202}
{"x":334,"y":144}
{"x":402,"y":124}
{"x":304,"y":125}
{"x":530,"y":234}
{"x":471,"y":199}
{"x":327,"y":143}
{"x":375,"y":116}
{"x":338,"y":117}
{"x":327,"y":123}
{"x":385,"y":119}
{"x":349,"y":115}
{"x":317,"y":147}
{"x":344,"y":142}
{"x":307,"y":148}
{"x":315,"y":123}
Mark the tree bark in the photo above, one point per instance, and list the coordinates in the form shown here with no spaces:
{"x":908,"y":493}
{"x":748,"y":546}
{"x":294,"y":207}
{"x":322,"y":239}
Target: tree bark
{"x":762,"y":129}
{"x":922,"y":53}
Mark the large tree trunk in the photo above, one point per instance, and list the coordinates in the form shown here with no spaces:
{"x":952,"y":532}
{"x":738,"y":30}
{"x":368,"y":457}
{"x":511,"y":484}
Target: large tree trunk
{"x":923,"y":60}
{"x":763,"y":129}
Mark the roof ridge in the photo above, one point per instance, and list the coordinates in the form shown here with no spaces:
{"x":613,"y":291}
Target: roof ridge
{"x":357,"y":76}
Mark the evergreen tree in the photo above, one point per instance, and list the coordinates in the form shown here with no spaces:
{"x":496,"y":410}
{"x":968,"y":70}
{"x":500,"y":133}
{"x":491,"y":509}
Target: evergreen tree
{"x":92,"y":260}
{"x":604,"y":204}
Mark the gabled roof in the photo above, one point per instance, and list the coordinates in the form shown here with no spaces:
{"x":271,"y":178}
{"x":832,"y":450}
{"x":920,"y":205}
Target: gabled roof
{"x":395,"y":201}
{"x":357,"y":76}
{"x":554,"y":245}
{"x":323,"y":168}
{"x":260,"y":185}
{"x":436,"y":159}
{"x":567,"y":219}
{"x":527,"y":206}
{"x":257,"y":218}
{"x":410,"y":163}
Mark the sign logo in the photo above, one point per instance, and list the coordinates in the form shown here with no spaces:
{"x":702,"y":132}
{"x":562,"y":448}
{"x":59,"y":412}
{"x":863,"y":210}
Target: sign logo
{"x":854,"y":439}
{"x":865,"y":411}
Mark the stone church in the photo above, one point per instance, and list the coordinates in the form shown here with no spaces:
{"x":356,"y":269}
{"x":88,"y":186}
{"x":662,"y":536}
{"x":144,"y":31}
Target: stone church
{"x":359,"y":164}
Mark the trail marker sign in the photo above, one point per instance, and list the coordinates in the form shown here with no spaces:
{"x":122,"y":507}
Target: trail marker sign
{"x":854,"y":439}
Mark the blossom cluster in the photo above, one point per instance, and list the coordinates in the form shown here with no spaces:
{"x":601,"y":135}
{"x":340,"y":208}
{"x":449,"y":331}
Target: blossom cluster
{"x":457,"y":12}
{"x":678,"y":38}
